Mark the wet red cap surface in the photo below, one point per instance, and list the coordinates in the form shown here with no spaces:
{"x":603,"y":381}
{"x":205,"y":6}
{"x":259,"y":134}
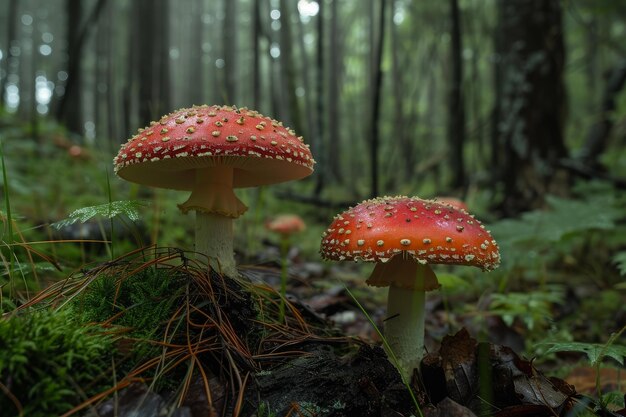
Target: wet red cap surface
{"x":259,"y":149}
{"x":430,"y":232}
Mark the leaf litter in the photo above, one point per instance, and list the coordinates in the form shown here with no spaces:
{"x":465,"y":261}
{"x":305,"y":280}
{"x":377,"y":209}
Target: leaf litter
{"x":237,"y":359}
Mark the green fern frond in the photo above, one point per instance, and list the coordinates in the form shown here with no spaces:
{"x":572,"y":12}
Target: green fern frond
{"x":594,"y":351}
{"x":619,"y":259}
{"x":129,"y":208}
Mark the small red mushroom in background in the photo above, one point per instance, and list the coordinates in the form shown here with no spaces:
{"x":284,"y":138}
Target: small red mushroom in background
{"x":285,"y":225}
{"x":452,"y":201}
{"x":78,"y":152}
{"x":404,"y":235}
{"x":210,"y":151}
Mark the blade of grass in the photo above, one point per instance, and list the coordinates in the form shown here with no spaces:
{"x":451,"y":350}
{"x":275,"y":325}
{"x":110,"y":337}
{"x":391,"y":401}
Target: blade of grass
{"x":392,"y":355}
{"x":7,"y":209}
{"x":111,"y":231}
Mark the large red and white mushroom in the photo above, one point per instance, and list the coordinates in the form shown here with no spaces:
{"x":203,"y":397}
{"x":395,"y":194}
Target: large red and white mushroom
{"x":404,"y":235}
{"x":210,"y":150}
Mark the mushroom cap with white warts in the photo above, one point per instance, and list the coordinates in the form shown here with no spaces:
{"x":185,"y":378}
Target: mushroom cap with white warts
{"x":428,"y":231}
{"x":259,"y":149}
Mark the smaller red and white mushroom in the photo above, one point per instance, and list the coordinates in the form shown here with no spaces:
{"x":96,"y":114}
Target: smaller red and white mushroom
{"x":404,"y":235}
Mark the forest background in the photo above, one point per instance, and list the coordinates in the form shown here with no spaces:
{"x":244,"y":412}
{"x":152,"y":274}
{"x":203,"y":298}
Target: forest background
{"x":424,"y":98}
{"x":515,"y":106}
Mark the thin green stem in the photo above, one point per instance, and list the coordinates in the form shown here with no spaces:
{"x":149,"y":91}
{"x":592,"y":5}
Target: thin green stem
{"x":611,"y":340}
{"x":111,"y":230}
{"x":284,"y":251}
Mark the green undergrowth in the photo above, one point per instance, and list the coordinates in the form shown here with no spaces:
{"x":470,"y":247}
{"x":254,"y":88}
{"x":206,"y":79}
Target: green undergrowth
{"x":572,"y":245}
{"x":50,"y":361}
{"x":139,"y":308}
{"x":119,"y":322}
{"x":141,"y":303}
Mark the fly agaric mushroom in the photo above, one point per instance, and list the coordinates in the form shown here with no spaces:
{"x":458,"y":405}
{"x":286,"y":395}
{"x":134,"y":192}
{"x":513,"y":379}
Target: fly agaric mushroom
{"x":404,"y":235}
{"x":285,"y":225}
{"x":209,"y":150}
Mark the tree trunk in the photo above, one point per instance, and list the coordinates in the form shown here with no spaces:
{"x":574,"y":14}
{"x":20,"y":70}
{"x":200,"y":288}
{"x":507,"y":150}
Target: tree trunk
{"x":11,"y":28}
{"x":152,"y":67}
{"x":309,"y":131}
{"x":196,"y":61}
{"x":116,"y":77}
{"x":293,"y":118}
{"x":162,"y":61}
{"x":592,"y":69}
{"x":456,"y":122}
{"x":101,"y":69}
{"x":144,"y":77}
{"x":376,"y":84}
{"x":531,"y":100}
{"x":401,"y":126}
{"x":334,"y":157}
{"x":256,"y":54}
{"x":69,"y":110}
{"x":318,"y":141}
{"x":599,"y":134}
{"x":230,"y":51}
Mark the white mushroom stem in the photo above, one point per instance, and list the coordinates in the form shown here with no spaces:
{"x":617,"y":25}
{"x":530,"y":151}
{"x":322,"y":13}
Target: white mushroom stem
{"x":404,"y":328}
{"x":216,"y":205}
{"x":408,"y":282}
{"x":214,"y":238}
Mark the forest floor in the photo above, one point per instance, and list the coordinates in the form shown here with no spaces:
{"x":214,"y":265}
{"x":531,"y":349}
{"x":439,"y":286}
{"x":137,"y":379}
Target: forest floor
{"x":149,"y":332}
{"x":230,"y":354}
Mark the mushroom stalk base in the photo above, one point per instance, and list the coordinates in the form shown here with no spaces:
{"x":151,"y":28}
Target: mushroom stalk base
{"x":216,"y":205}
{"x":214,"y":238}
{"x":404,"y":329}
{"x":404,"y":326}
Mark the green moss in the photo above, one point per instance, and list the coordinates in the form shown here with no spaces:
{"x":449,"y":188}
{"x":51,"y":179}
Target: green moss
{"x":142,"y":302}
{"x":49,"y":362}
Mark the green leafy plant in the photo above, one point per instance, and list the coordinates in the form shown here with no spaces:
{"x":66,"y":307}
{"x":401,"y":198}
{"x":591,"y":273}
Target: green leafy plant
{"x":124,"y":209}
{"x":129,"y":208}
{"x":49,"y":361}
{"x":523,"y":239}
{"x":533,"y":309}
{"x":620,"y":261}
{"x":596,"y":353}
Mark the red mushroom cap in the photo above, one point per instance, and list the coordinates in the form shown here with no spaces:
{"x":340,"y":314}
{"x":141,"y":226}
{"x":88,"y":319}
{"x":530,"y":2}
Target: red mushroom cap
{"x":432,"y":233}
{"x":286,"y":224}
{"x":261,"y":150}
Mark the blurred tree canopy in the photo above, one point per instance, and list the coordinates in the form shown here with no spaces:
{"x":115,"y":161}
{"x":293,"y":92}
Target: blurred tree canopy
{"x":395,"y":96}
